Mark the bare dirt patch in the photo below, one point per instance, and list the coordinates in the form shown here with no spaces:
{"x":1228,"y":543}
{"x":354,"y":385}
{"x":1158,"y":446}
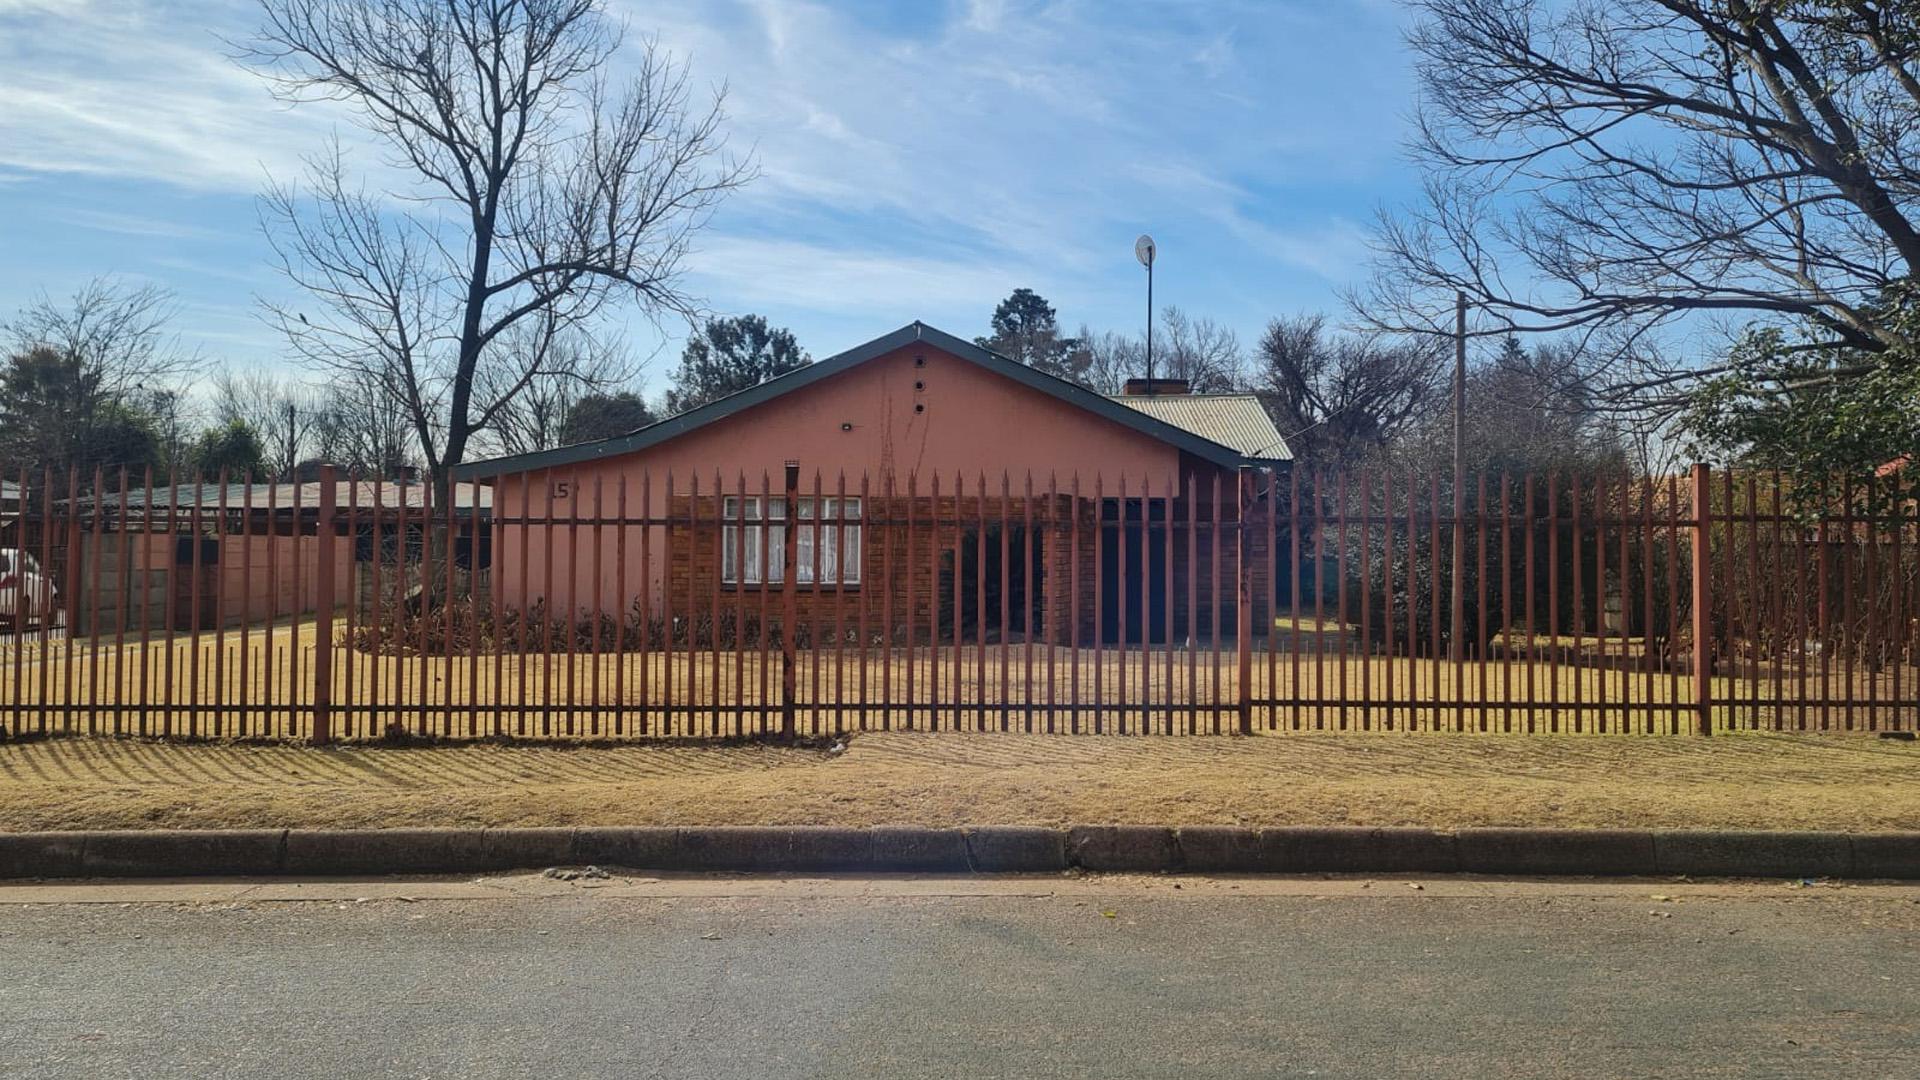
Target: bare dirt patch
{"x":951,"y":779}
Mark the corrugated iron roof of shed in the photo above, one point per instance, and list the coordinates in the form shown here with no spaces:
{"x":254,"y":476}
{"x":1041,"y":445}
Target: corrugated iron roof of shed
{"x":1235,"y":421}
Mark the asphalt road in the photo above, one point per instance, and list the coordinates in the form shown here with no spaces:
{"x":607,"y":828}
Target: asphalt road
{"x":1103,"y":978}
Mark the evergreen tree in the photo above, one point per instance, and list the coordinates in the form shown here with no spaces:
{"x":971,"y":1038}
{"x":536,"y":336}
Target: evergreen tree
{"x":604,"y":416}
{"x":731,"y":355}
{"x":1026,"y":329}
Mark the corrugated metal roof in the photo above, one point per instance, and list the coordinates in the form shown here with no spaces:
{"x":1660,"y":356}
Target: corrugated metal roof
{"x":1235,"y":421}
{"x":287,"y":497}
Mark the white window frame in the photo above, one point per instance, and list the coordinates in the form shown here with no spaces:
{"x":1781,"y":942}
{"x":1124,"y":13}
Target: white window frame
{"x":765,"y":522}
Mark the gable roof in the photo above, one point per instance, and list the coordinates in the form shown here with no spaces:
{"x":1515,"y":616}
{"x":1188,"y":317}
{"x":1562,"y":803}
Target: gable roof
{"x":1073,"y":394}
{"x":1235,"y":421}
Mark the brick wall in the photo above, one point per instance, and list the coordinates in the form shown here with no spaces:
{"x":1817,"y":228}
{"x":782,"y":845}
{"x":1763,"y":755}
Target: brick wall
{"x":908,"y":571}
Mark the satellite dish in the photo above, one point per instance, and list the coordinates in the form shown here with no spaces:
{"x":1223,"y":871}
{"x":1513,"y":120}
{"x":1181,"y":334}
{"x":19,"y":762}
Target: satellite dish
{"x":1144,"y":250}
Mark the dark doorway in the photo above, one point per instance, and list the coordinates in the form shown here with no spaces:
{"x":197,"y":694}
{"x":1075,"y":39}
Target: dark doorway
{"x":983,"y":552}
{"x":1133,"y":570}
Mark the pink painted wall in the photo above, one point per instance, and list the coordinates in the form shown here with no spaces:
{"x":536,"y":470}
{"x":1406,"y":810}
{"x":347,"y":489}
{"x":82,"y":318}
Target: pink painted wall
{"x":973,"y":422}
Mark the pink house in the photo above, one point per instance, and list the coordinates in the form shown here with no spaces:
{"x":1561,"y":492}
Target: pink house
{"x":673,"y":516}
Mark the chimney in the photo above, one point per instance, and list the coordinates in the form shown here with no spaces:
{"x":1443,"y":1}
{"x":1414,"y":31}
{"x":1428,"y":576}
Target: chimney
{"x":1156,"y":388}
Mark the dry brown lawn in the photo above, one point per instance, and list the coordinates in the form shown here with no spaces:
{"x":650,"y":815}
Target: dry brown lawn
{"x":951,"y":779}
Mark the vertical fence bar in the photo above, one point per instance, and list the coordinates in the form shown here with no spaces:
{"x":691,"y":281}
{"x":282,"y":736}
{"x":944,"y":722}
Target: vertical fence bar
{"x":1556,"y":656}
{"x":737,"y":598}
{"x":1006,"y":586}
{"x":323,"y":612}
{"x":789,"y":583}
{"x":123,"y":603}
{"x":1576,"y":666}
{"x":1213,"y":606}
{"x":1365,"y":552}
{"x":1167,"y":599}
{"x":1316,"y":532}
{"x":1506,"y":603}
{"x":1480,"y":636}
{"x":934,"y":545}
{"x":644,"y":614}
{"x":1271,"y":560}
{"x":840,"y":580}
{"x":815,"y":652}
{"x":1649,"y":678}
{"x":1889,"y":646}
{"x":1124,"y":602}
{"x":1073,"y":630}
{"x":1243,"y":631}
{"x":497,"y":586}
{"x":1847,"y":644}
{"x":765,"y":590}
{"x":980,"y":600}
{"x":525,"y":599}
{"x":957,"y":604}
{"x":1342,"y":511}
{"x":1436,"y":656}
{"x":1295,"y":633}
{"x":1702,"y":603}
{"x":1123,"y":599}
{"x":597,"y":585}
{"x":1053,"y":564}
{"x":1412,"y":687}
{"x":1533,"y":640}
{"x":357,"y":717}
{"x":1099,"y":604}
{"x":623,"y":604}
{"x":1032,"y":600}
{"x":867,"y":534}
{"x":911,"y":619}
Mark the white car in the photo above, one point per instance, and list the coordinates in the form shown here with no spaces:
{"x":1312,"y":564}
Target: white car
{"x":27,"y":594}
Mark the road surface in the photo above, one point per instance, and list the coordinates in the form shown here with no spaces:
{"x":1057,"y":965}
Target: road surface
{"x":1080,"y":977}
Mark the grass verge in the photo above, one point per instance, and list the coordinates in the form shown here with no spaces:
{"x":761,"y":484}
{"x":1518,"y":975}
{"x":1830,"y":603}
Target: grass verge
{"x":1743,"y":781}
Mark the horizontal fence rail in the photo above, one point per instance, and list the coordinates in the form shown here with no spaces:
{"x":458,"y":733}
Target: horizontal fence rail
{"x":612,"y":603}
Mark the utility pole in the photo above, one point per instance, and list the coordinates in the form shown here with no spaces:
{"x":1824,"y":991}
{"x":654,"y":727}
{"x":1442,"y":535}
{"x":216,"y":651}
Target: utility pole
{"x":1457,"y":648}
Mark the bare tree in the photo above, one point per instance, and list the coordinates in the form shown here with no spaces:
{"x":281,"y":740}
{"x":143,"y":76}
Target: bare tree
{"x":1111,"y":359}
{"x":1612,"y":167}
{"x":358,"y":424}
{"x":281,"y":412}
{"x":533,"y":193}
{"x":1337,"y":399}
{"x":118,"y":331}
{"x":1203,"y":352}
{"x":571,"y":368}
{"x":88,"y":381}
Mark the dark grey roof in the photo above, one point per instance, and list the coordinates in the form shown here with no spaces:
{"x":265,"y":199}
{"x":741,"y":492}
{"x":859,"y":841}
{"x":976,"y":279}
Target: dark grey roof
{"x":654,"y":434}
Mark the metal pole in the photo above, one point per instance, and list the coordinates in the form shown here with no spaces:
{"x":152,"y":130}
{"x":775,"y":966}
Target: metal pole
{"x":1457,"y":647}
{"x":1149,"y":328}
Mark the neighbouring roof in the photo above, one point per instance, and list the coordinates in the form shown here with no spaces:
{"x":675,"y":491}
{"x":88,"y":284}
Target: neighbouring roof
{"x":1146,"y":423}
{"x":362,"y":495}
{"x":1235,"y":421}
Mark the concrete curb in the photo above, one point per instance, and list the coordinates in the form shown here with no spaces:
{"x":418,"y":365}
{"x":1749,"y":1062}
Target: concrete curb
{"x":986,"y":849}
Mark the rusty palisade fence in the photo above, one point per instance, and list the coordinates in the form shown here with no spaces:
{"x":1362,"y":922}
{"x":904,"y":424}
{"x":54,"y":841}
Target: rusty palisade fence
{"x":535,"y":606}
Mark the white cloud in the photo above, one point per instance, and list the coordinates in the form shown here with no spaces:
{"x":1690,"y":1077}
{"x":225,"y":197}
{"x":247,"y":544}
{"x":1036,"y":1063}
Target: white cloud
{"x":929,"y":159}
{"x":144,"y":91}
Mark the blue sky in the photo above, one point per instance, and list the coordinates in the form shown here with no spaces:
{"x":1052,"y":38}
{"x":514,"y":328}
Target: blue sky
{"x":919,"y":158}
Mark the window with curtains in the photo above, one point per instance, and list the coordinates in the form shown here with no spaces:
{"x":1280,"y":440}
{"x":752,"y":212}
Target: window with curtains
{"x":755,"y":524}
